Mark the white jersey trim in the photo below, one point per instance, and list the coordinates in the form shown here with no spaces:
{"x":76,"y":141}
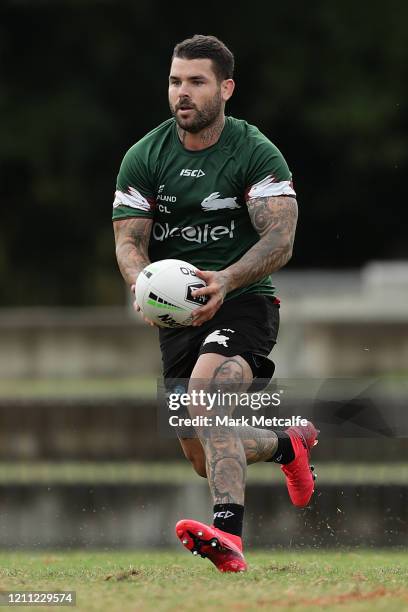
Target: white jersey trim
{"x":134,"y":199}
{"x":268,"y":187}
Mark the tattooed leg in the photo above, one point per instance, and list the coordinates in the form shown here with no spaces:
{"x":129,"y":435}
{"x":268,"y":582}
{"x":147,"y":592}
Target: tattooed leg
{"x":259,"y":445}
{"x":223,"y":447}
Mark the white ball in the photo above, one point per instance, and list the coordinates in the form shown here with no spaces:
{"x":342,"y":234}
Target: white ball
{"x":163,"y":292}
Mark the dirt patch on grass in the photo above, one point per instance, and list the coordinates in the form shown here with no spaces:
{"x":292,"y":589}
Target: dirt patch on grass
{"x":123,"y":575}
{"x":292,"y":567}
{"x":330,"y":600}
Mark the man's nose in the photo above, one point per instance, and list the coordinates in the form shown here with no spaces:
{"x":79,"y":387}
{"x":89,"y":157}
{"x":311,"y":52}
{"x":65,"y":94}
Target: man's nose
{"x":184,"y":90}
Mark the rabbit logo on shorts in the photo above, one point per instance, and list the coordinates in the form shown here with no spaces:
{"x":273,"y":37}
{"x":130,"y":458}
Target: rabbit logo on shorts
{"x":218,"y":337}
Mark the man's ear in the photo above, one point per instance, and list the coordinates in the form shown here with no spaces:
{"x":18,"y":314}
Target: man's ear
{"x":227,"y":89}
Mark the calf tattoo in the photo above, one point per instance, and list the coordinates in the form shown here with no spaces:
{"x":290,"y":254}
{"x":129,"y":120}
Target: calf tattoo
{"x":228,"y":450}
{"x":259,"y":444}
{"x":225,"y":455}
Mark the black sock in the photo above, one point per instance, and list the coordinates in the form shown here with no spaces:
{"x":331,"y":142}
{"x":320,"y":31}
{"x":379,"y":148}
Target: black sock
{"x":229,"y":517}
{"x":284,"y":453}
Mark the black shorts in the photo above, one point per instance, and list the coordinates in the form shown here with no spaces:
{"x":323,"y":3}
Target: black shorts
{"x":246,"y":325}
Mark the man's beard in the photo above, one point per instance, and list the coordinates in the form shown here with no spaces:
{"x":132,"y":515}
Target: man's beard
{"x":202,"y":118}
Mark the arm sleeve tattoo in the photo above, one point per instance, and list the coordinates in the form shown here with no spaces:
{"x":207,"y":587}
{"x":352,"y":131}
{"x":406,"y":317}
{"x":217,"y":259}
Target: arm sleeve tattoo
{"x":132,"y":243}
{"x":274,"y":218}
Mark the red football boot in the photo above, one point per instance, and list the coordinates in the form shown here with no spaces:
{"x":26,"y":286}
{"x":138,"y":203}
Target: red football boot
{"x":223,"y":549}
{"x":299,"y":474}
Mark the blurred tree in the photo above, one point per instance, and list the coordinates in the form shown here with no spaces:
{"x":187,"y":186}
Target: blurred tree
{"x":83,"y":80}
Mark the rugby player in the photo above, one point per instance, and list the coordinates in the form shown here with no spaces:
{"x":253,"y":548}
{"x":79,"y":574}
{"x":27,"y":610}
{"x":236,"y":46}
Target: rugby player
{"x":212,"y":190}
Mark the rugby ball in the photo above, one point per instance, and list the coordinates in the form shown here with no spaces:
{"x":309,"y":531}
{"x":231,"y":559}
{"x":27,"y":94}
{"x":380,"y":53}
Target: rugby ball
{"x":163,"y":292}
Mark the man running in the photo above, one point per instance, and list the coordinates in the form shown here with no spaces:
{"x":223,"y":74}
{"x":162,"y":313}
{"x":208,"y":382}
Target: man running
{"x":214,"y":191}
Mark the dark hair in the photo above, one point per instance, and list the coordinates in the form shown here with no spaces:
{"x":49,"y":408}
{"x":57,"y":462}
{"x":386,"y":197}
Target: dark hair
{"x":207,"y":47}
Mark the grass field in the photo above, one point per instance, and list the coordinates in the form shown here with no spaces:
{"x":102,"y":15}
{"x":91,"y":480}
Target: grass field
{"x":126,"y":581}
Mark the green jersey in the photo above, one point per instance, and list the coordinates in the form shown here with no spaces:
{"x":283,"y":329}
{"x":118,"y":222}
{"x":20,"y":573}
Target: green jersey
{"x":197,"y":199}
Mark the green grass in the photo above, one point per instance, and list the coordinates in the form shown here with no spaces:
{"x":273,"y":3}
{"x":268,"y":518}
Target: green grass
{"x":125,"y":387}
{"x":139,"y":387}
{"x":133,"y":472}
{"x":126,"y":581}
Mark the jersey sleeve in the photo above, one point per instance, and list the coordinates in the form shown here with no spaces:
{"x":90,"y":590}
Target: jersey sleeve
{"x":134,"y":195}
{"x":268,"y":173}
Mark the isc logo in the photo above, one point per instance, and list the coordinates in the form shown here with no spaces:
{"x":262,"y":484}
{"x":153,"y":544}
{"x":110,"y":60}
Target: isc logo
{"x":193,"y":173}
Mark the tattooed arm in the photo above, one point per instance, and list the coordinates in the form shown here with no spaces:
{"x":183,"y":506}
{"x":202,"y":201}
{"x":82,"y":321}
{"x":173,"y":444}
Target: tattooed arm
{"x":132,"y":242}
{"x":274,"y":218}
